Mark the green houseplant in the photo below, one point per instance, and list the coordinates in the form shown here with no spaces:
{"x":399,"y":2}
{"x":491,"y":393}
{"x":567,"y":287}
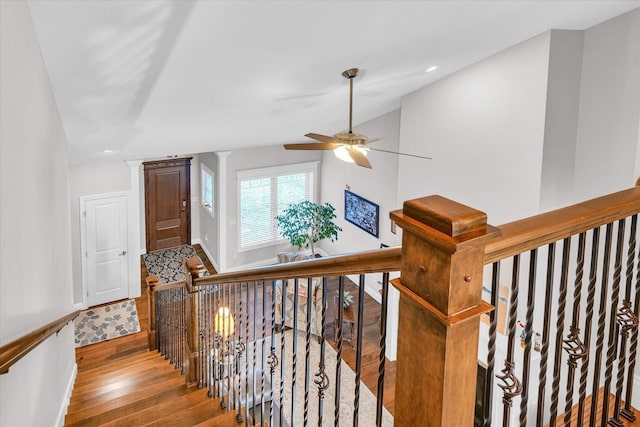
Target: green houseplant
{"x":306,"y":223}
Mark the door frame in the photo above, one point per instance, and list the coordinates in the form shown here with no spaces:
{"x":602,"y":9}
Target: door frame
{"x":132,"y":250}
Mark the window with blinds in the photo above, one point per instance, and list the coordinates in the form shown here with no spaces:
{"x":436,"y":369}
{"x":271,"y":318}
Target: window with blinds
{"x":206,"y":198}
{"x":266,"y":192}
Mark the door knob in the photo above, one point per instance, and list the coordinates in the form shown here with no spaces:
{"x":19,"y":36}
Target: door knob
{"x":184,"y":204}
{"x":123,"y":253}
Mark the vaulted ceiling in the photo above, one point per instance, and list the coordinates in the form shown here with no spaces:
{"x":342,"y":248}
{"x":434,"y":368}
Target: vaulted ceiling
{"x":154,"y":78}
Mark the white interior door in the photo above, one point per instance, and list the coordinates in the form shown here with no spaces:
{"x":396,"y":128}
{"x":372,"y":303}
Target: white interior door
{"x":106,"y":249}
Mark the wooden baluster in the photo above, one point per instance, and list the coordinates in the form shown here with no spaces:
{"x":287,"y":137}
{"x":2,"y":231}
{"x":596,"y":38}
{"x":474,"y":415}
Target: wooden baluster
{"x":439,"y":312}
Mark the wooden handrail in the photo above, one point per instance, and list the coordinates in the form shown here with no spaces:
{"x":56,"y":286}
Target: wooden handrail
{"x":372,"y":261}
{"x":16,"y":350}
{"x":539,"y":230}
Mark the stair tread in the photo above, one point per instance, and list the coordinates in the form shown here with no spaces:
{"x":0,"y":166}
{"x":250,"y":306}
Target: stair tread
{"x":130,"y":403}
{"x":161,"y":410}
{"x":115,"y":366}
{"x":205,"y":410}
{"x":228,"y":419}
{"x":123,"y":388}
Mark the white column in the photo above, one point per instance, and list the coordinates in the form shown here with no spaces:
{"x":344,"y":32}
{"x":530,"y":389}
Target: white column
{"x":222,"y":209}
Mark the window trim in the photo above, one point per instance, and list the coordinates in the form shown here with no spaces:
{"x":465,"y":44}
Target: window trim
{"x":204,"y":170}
{"x":288,"y":169}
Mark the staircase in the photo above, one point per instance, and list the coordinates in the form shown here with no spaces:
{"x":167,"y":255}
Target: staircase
{"x":141,"y":390}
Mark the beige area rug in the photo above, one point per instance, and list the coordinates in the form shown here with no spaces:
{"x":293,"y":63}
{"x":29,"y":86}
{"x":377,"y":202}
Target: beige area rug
{"x":367,"y":404}
{"x":107,"y":322}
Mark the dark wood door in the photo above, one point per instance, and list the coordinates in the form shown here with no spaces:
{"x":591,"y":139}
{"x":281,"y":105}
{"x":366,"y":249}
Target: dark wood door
{"x":167,"y":203}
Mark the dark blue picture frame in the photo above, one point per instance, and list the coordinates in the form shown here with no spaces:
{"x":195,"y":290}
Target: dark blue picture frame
{"x":361,"y":212}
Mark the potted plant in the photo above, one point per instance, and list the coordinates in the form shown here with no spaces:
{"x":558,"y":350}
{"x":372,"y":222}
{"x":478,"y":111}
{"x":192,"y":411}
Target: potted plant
{"x":306,"y":223}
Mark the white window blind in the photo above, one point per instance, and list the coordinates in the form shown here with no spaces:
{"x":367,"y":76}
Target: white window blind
{"x":266,"y":192}
{"x":207,"y":188}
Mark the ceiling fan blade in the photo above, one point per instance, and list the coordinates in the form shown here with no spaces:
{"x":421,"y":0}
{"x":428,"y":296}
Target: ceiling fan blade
{"x":359,"y":158}
{"x":312,"y":146}
{"x":323,"y":138}
{"x":373,"y":140}
{"x":401,"y":154}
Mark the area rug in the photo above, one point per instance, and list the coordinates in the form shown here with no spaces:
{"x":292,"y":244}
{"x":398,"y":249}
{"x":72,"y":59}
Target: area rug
{"x":367,"y":404}
{"x":166,"y":264}
{"x":104,"y":323}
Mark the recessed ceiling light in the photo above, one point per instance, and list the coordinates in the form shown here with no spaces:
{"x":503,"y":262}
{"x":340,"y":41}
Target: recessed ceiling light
{"x":107,"y":151}
{"x":430,"y":69}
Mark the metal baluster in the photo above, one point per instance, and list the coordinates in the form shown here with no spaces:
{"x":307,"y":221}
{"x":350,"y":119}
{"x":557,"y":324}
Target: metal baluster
{"x":491,"y":350}
{"x":183,"y":329}
{"x":212,"y":348}
{"x":544,"y":353}
{"x":511,"y":385}
{"x":572,"y":344}
{"x":283,"y":296}
{"x":241,"y":349}
{"x":322,"y":379}
{"x":231,"y":349}
{"x":255,"y":344}
{"x":336,"y":413}
{"x":591,"y":295}
{"x":627,"y":321}
{"x":562,"y":298}
{"x":294,"y":362}
{"x":246,"y":372}
{"x":613,"y":336}
{"x":273,"y":359}
{"x":201,"y":332}
{"x":356,"y":399}
{"x":307,"y":352}
{"x":528,"y":331}
{"x":264,"y":351}
{"x":383,"y":347}
{"x":626,"y":411}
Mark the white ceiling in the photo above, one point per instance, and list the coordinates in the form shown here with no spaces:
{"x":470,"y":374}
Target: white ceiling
{"x":155,"y":78}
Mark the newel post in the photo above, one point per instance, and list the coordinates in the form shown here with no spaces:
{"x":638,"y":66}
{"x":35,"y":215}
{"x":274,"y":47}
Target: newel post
{"x":439,"y":313}
{"x":152,"y":282}
{"x":193,"y":374}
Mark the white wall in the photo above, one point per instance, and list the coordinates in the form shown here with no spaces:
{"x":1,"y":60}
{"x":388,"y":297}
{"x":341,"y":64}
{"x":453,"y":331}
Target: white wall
{"x":609,"y":107}
{"x":208,"y":230}
{"x":561,"y":119}
{"x":35,"y":248}
{"x":484,"y":128}
{"x":86,"y":180}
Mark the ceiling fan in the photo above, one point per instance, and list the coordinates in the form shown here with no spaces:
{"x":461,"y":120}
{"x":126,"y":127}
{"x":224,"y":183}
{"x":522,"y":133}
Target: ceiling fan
{"x":348,"y":146}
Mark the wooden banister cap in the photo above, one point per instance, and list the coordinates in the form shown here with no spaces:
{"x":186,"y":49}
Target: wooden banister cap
{"x":194,"y":263}
{"x":448,"y":217}
{"x":152,"y":280}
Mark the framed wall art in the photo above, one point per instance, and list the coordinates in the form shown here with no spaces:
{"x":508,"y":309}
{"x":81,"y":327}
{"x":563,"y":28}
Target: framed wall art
{"x":361,"y":212}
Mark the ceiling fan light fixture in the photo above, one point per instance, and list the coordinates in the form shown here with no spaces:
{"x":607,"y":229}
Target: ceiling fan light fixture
{"x":343,"y":154}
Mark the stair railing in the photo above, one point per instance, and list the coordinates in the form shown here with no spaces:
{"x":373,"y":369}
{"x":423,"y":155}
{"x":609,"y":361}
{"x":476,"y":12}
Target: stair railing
{"x":12,"y":352}
{"x":567,"y":319}
{"x":557,"y":347}
{"x":263,"y":343}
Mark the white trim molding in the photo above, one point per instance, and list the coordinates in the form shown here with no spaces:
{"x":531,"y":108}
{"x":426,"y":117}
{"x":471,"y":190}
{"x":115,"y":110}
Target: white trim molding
{"x":62,"y":413}
{"x":133,"y":214}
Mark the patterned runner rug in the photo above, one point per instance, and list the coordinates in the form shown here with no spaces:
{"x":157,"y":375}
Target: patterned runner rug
{"x":104,"y":323}
{"x":167,"y":263}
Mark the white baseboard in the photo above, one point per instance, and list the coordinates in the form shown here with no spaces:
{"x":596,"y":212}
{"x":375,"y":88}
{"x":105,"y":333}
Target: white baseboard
{"x":635,"y":401}
{"x":67,"y":397}
{"x":80,"y":306}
